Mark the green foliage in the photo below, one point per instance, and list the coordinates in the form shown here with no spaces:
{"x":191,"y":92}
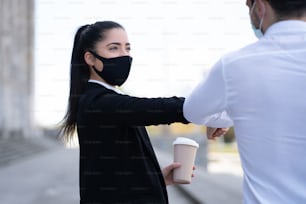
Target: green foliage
{"x":229,"y":137}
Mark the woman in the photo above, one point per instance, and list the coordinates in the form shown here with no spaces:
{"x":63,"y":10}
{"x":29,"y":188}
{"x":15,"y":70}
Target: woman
{"x":117,"y":161}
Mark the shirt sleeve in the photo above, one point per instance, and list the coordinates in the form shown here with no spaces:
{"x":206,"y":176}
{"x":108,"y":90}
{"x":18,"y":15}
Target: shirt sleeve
{"x":206,"y":105}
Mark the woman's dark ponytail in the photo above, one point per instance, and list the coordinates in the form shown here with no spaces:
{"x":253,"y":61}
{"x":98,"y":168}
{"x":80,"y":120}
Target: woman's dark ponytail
{"x":85,"y":39}
{"x":79,"y":75}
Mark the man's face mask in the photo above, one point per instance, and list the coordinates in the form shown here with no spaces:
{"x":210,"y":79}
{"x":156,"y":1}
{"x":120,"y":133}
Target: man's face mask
{"x":115,"y":70}
{"x":257,"y":31}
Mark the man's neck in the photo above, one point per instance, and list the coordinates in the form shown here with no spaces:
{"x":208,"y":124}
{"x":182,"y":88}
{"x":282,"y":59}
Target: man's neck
{"x":302,"y":18}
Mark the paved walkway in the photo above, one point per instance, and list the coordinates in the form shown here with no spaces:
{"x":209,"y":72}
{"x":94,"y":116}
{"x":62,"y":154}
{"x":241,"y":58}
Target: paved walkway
{"x":209,"y":188}
{"x":51,"y":177}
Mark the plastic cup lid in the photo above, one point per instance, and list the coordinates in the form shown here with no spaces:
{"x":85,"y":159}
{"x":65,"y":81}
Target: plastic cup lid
{"x":185,"y":141}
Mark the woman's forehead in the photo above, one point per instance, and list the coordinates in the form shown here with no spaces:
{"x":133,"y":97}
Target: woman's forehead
{"x":115,"y":35}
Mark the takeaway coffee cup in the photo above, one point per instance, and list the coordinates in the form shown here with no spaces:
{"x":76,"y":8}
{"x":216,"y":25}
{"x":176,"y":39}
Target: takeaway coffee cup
{"x":184,"y":152}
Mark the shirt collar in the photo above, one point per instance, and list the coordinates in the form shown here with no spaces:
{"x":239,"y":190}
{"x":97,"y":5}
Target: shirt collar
{"x":287,"y":27}
{"x":104,"y":84}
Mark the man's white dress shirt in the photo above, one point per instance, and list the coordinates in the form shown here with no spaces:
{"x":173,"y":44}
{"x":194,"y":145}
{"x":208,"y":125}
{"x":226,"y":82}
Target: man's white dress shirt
{"x":262,"y":88}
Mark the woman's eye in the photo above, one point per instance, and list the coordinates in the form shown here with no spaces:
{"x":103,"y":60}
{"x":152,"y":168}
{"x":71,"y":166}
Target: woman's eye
{"x":113,"y":48}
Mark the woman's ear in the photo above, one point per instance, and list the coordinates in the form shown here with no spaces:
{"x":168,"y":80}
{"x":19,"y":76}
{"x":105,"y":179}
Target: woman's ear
{"x":89,"y":59}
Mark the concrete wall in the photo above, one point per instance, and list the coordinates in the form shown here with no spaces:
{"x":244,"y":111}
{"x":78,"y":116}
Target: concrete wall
{"x":16,"y":67}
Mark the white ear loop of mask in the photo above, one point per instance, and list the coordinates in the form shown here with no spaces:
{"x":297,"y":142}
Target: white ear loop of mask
{"x":261,"y":20}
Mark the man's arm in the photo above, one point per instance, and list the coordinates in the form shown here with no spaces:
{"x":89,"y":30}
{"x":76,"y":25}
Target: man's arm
{"x":207,"y":103}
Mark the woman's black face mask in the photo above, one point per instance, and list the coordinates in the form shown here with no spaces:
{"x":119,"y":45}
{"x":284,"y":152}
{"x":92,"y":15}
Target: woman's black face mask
{"x":115,"y":70}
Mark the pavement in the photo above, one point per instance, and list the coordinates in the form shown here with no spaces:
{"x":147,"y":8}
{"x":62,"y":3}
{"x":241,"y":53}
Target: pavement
{"x":44,"y":177}
{"x":209,"y":188}
{"x":50,"y":175}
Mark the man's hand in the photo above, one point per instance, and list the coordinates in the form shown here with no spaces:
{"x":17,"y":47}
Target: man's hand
{"x":212,"y":133}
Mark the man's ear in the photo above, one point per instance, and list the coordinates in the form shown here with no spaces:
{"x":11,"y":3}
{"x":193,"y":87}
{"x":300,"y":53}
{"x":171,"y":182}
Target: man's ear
{"x":89,"y":58}
{"x":261,"y":8}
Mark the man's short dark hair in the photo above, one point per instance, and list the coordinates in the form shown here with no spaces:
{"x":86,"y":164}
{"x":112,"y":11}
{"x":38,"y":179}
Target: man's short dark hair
{"x":288,"y":8}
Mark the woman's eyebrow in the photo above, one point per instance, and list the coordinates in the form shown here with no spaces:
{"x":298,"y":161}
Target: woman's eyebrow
{"x":113,"y":43}
{"x":116,"y":43}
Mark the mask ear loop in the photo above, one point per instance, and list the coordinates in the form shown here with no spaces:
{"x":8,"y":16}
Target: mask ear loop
{"x":261,"y":20}
{"x":253,"y":7}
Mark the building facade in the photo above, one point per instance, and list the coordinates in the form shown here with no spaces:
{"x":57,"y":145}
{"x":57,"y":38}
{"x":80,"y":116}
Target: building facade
{"x":16,"y":67}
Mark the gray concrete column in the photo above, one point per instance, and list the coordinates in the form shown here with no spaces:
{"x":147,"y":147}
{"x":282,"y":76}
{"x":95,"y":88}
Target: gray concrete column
{"x":16,"y":67}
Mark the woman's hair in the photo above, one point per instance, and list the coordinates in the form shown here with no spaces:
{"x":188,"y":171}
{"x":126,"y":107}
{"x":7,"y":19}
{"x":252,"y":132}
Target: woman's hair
{"x":288,"y":8}
{"x":85,"y":39}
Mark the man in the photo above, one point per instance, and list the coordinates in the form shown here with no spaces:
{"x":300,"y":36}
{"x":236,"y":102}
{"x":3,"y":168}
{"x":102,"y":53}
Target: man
{"x":262,"y":87}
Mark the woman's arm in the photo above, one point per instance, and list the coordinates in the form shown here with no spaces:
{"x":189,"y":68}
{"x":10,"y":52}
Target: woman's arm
{"x":115,"y":109}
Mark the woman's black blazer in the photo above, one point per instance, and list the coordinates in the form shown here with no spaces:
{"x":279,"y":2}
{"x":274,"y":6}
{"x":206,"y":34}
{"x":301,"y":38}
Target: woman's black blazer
{"x":117,"y":161}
